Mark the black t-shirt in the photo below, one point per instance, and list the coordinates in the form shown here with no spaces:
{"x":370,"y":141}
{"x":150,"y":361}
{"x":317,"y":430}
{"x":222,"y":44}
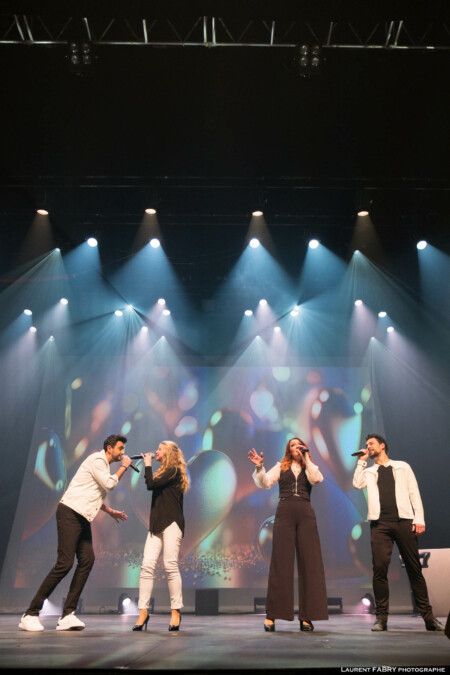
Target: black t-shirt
{"x":386,"y":489}
{"x":167,"y":499}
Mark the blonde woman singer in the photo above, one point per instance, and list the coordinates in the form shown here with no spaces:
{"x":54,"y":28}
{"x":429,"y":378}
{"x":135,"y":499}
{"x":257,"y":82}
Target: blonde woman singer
{"x":166,"y":530}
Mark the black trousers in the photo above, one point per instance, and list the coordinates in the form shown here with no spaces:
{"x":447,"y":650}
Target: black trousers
{"x":295,"y":532}
{"x":382,"y":536}
{"x":74,"y":538}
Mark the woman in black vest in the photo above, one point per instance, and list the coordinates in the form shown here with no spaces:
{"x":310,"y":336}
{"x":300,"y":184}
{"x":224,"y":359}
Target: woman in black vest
{"x":294,"y":531}
{"x":166,"y":529}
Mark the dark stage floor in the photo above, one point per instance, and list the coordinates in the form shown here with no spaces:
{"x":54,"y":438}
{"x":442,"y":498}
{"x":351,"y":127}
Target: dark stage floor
{"x":225,"y":642}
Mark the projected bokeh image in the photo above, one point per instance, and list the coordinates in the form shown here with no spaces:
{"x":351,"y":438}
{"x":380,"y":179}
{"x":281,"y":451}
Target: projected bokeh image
{"x":216,"y":415}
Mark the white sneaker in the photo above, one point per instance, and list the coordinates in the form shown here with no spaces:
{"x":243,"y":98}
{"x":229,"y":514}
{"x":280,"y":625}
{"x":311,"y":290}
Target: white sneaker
{"x":70,"y":622}
{"x":31,"y":623}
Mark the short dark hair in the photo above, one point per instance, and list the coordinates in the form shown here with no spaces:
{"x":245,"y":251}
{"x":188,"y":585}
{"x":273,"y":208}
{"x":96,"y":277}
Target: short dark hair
{"x":112,"y":440}
{"x":380,"y":439}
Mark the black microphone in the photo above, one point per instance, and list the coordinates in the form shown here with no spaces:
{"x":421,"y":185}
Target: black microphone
{"x":360,"y":453}
{"x":140,"y":456}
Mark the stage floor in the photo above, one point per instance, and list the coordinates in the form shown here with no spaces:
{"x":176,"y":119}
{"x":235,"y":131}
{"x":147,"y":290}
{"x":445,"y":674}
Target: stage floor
{"x":224,"y":642}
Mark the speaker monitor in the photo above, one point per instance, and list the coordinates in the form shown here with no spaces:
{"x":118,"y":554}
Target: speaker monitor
{"x":206,"y":601}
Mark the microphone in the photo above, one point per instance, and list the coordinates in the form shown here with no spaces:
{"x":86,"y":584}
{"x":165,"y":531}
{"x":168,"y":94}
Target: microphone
{"x":140,"y":456}
{"x":358,"y":454}
{"x":134,"y":468}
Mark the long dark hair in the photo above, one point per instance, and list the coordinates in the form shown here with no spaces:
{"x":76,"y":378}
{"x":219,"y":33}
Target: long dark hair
{"x":287,"y":459}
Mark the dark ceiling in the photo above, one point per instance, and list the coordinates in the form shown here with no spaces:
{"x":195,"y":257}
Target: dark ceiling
{"x":207,"y":133}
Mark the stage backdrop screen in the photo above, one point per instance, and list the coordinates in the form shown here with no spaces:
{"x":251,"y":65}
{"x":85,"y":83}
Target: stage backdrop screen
{"x":216,"y":415}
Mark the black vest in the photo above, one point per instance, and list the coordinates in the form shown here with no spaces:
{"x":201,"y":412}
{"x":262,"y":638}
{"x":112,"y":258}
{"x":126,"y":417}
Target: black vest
{"x":297,"y":488}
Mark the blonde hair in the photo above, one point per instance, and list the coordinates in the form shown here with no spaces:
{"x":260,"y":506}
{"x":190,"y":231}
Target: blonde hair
{"x":287,"y":459}
{"x":173,"y":458}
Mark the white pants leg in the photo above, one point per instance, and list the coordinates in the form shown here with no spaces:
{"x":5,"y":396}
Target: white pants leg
{"x":170,"y":539}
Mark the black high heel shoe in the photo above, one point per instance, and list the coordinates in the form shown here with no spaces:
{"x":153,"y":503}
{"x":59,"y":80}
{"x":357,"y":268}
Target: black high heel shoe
{"x":173,"y":628}
{"x":141,"y":626}
{"x":306,"y":625}
{"x":269,"y":627}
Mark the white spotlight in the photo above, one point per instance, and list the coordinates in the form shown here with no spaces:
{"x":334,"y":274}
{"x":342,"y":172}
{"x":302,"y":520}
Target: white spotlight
{"x":130,"y":307}
{"x":161,"y":301}
{"x":28,"y":312}
{"x":390,"y":329}
{"x":92,"y":242}
{"x":64,"y":301}
{"x":356,"y":251}
{"x":363,"y":212}
{"x":57,"y":250}
{"x":358,"y":303}
{"x":257,"y":213}
{"x":33,"y":329}
{"x":144,"y":329}
{"x":277,"y":329}
{"x":118,"y":312}
{"x":254,"y":243}
{"x":51,"y":338}
{"x":263,"y":302}
{"x":313,"y":243}
{"x":382,"y":315}
{"x":422,"y":244}
{"x":42,"y":212}
{"x":248,"y":312}
{"x":151,"y":212}
{"x":155,"y":243}
{"x":166,"y":312}
{"x":295,"y":311}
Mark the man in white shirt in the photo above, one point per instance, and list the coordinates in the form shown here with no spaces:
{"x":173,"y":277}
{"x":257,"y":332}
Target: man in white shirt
{"x":395,"y":514}
{"x":78,"y":507}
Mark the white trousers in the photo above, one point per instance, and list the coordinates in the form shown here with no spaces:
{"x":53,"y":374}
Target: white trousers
{"x":169,"y":540}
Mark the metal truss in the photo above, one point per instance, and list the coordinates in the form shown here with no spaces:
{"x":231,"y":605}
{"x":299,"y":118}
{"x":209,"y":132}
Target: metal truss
{"x":207,"y":31}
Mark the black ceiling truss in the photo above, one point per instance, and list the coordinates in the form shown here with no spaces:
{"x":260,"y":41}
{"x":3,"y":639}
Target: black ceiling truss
{"x":210,"y":31}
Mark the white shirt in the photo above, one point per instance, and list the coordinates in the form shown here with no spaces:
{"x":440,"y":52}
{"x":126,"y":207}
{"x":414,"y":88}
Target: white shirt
{"x":267,"y":479}
{"x":407,"y":495}
{"x":89,"y":486}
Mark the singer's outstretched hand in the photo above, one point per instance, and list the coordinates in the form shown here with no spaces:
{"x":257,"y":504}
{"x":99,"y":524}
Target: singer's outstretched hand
{"x":147,"y":457}
{"x":117,"y":515}
{"x":255,"y":458}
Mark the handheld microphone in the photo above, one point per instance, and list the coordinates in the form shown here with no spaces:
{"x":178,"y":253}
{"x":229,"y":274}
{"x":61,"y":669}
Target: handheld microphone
{"x":134,"y":468}
{"x":140,"y":456}
{"x":358,"y":454}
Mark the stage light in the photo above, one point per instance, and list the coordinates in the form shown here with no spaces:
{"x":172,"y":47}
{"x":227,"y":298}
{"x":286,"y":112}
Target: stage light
{"x":313,"y":243}
{"x":51,"y":338}
{"x":254,"y":243}
{"x":33,"y":329}
{"x":166,"y":312}
{"x":118,"y":312}
{"x":382,"y":314}
{"x":422,"y":244}
{"x":130,"y":307}
{"x":368,"y":602}
{"x":64,"y":301}
{"x":123,"y":603}
{"x":276,"y":329}
{"x":294,"y":312}
{"x":92,"y":242}
{"x":263,"y":302}
{"x":358,"y":303}
{"x":42,"y":212}
{"x":390,"y":329}
{"x":161,"y":301}
{"x":155,"y":243}
{"x":257,"y":213}
{"x":144,"y":329}
{"x":248,"y":312}
{"x":28,"y":312}
{"x":363,"y":213}
{"x":151,"y":212}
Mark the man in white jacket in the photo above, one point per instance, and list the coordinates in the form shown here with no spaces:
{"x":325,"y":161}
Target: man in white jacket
{"x":395,"y":515}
